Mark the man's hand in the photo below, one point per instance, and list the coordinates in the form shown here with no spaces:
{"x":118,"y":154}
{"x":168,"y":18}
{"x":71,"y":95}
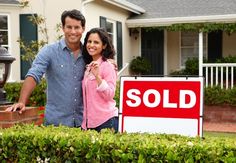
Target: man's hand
{"x":15,"y":107}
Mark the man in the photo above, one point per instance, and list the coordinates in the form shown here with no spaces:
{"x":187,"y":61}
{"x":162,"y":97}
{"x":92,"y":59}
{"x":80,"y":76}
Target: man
{"x":63,"y":66}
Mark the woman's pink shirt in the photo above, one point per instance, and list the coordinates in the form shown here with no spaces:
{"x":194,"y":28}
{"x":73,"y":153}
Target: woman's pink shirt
{"x":99,"y":103}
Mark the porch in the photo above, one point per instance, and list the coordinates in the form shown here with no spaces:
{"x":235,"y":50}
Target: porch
{"x":215,"y":74}
{"x":210,"y":41}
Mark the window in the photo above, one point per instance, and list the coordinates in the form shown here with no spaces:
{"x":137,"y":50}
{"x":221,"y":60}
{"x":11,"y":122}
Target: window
{"x":111,"y":30}
{"x":114,"y":29}
{"x":189,"y":46}
{"x":4,"y":31}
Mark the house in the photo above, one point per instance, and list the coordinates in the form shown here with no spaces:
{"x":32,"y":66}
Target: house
{"x":110,"y":14}
{"x":168,"y":49}
{"x":154,"y":29}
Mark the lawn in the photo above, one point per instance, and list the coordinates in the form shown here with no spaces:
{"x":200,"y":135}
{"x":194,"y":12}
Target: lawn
{"x":219,"y":134}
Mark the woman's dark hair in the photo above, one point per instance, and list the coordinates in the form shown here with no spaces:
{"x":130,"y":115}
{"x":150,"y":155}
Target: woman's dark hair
{"x":74,"y":14}
{"x":107,"y":53}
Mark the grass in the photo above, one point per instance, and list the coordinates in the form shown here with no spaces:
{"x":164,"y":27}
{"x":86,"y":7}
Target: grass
{"x":219,"y":134}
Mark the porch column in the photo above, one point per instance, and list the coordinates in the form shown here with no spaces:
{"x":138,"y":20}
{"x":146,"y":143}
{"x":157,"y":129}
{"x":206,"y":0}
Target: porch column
{"x":200,"y":57}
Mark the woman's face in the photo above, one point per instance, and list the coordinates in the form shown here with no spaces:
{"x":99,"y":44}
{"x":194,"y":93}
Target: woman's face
{"x":95,"y":46}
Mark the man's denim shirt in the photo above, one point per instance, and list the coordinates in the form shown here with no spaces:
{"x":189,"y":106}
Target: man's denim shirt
{"x":64,"y":75}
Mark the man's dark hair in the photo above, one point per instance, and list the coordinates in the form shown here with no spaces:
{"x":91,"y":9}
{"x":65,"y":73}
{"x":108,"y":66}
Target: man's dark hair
{"x":74,"y":14}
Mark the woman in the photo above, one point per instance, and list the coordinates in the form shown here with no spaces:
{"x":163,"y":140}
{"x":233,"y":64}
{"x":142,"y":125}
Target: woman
{"x":99,"y":82}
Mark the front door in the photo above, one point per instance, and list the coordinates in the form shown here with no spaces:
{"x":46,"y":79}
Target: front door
{"x":152,"y":47}
{"x":214,"y":46}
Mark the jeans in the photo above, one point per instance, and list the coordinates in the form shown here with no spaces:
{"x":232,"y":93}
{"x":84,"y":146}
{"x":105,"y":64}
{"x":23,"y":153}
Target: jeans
{"x":111,"y":123}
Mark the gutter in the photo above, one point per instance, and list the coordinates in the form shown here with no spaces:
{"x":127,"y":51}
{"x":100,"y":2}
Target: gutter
{"x":127,"y":6}
{"x":10,"y":5}
{"x":132,"y":23}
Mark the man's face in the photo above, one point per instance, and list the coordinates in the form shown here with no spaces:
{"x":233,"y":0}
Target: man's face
{"x":73,"y":30}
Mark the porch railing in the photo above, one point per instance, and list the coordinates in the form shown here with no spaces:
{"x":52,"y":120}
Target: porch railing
{"x":124,"y":70}
{"x":221,"y":74}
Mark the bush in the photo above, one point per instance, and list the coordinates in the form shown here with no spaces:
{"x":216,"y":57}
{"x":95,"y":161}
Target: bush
{"x":28,"y":143}
{"x":140,"y":66}
{"x":117,"y":94}
{"x":37,"y":98}
{"x":217,"y":96}
{"x":191,"y":65}
{"x":191,"y":68}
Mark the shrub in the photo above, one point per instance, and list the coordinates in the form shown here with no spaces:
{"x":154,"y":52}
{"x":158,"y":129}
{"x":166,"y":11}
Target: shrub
{"x":28,"y":143}
{"x":191,"y":68}
{"x":217,"y":96}
{"x":140,"y":66}
{"x":37,"y":98}
{"x":191,"y":65}
{"x":117,"y":94}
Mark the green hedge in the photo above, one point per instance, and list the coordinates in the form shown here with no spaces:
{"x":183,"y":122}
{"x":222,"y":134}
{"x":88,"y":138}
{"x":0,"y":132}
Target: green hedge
{"x":28,"y":143}
{"x":217,"y":96}
{"x":37,"y":98}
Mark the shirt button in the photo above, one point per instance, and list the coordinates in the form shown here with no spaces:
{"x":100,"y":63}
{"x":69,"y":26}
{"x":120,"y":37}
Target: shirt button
{"x":75,"y":77}
{"x":75,"y":100}
{"x":75,"y":88}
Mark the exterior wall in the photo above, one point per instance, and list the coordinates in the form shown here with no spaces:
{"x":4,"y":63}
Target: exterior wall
{"x":93,"y":10}
{"x":44,"y":8}
{"x":173,"y":51}
{"x":229,"y":47}
{"x":51,"y":10}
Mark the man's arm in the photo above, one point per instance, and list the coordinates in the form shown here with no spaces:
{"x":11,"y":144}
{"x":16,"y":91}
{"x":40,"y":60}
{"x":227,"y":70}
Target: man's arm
{"x":26,"y":90}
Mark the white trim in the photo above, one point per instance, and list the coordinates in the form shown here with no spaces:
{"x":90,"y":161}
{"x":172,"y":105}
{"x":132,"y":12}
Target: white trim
{"x":131,"y":23}
{"x":127,"y":6}
{"x":84,"y":3}
{"x":200,"y":57}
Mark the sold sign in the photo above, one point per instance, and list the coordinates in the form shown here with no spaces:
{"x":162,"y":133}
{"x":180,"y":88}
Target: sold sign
{"x":161,"y":104}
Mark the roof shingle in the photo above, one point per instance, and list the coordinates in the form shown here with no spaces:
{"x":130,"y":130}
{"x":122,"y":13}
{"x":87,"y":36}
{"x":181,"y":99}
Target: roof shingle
{"x":183,"y":8}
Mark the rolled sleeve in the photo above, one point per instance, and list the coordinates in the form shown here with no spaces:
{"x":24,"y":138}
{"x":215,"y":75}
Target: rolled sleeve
{"x":40,"y":64}
{"x":103,"y":86}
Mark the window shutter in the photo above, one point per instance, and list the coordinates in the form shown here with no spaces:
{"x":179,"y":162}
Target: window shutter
{"x":119,"y":45}
{"x":28,"y":32}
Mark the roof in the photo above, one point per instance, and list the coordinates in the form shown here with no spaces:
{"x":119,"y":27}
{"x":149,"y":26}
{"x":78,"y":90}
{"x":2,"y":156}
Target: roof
{"x":167,"y":12}
{"x":126,"y":5}
{"x":9,"y":2}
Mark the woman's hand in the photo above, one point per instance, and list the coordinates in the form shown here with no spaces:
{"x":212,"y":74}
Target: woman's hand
{"x":94,"y":68}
